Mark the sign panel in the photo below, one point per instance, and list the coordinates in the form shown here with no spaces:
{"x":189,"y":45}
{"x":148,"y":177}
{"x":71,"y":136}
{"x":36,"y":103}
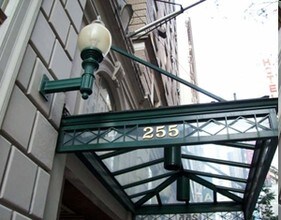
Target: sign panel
{"x":162,"y":129}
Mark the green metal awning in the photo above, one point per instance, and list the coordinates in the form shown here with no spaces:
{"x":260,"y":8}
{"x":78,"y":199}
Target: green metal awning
{"x":201,"y":158}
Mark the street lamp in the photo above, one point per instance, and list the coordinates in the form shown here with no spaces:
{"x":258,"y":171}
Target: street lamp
{"x":94,"y":42}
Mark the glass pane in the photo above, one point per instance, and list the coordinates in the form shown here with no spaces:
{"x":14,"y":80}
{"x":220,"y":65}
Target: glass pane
{"x":141,"y":174}
{"x":212,"y":127}
{"x":241,"y":195}
{"x":133,"y":158}
{"x":144,"y":187}
{"x":101,"y":99}
{"x":152,"y":201}
{"x":214,"y":168}
{"x":263,"y":123}
{"x":222,"y":198}
{"x":169,"y":194}
{"x":199,"y":193}
{"x":137,"y":198}
{"x":221,"y":152}
{"x":225,"y":183}
{"x":99,"y":153}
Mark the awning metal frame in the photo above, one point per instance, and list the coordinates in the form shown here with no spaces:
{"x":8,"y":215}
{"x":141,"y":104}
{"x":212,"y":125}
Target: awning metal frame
{"x":263,"y":137}
{"x":91,"y":132}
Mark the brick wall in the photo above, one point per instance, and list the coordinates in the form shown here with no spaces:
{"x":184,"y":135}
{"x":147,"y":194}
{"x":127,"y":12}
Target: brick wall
{"x":29,"y":131}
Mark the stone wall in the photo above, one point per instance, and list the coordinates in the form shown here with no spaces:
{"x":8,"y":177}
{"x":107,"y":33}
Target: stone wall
{"x":279,"y":108}
{"x":29,"y":130}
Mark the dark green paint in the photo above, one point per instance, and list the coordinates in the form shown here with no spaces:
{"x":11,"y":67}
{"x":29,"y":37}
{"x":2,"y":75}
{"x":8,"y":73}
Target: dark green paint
{"x":91,"y":59}
{"x":166,"y":73}
{"x":255,"y":112}
{"x":183,"y":189}
{"x":172,"y":158}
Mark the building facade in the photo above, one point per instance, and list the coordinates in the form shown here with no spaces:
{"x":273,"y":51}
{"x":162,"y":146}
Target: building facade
{"x":187,"y":60}
{"x":39,"y":37}
{"x":158,"y":45}
{"x":279,"y":104}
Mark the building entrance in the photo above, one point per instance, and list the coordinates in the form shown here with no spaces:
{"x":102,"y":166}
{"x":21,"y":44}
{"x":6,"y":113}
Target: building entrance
{"x":192,"y":159}
{"x":76,"y":206}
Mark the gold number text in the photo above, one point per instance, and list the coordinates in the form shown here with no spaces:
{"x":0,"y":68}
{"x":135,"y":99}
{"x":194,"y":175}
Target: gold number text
{"x":160,"y":131}
{"x":148,"y":133}
{"x":173,"y":131}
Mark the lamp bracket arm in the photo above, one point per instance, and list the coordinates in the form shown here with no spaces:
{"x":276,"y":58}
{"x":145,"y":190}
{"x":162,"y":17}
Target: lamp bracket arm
{"x":63,"y":85}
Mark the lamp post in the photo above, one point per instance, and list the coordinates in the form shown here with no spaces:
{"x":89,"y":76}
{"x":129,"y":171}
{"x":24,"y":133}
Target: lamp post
{"x":94,"y":42}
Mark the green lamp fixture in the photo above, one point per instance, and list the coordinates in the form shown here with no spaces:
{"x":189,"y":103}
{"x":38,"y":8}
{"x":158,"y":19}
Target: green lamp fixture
{"x":94,"y":42}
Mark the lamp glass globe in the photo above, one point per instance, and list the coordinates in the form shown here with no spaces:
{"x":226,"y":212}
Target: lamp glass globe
{"x":95,"y":35}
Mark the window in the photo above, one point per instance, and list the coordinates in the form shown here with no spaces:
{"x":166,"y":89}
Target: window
{"x":3,"y":16}
{"x":105,"y":103}
{"x":100,"y":100}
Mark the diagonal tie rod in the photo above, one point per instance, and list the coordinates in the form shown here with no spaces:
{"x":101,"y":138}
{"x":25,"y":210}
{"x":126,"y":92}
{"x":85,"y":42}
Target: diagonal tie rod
{"x":166,"y":73}
{"x":163,"y":19}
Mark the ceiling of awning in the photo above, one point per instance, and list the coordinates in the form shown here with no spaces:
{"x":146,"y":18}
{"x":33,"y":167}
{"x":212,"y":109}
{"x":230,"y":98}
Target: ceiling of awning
{"x":197,"y":158}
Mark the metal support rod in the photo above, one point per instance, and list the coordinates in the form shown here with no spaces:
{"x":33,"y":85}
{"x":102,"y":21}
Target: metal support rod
{"x":190,"y":208}
{"x":164,"y":72}
{"x":172,"y":15}
{"x":212,"y":160}
{"x":171,"y":3}
{"x":62,"y":85}
{"x":262,"y":160}
{"x":159,"y":199}
{"x":91,"y":58}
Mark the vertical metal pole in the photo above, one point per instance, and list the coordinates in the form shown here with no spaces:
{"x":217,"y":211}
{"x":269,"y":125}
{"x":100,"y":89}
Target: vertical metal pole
{"x":172,"y":158}
{"x":91,"y":59}
{"x":183,"y":189}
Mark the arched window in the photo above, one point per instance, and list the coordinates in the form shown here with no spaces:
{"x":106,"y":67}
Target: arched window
{"x":103,"y":96}
{"x":101,"y":100}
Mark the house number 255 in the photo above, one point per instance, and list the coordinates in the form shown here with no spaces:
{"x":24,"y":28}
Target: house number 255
{"x":160,"y":131}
